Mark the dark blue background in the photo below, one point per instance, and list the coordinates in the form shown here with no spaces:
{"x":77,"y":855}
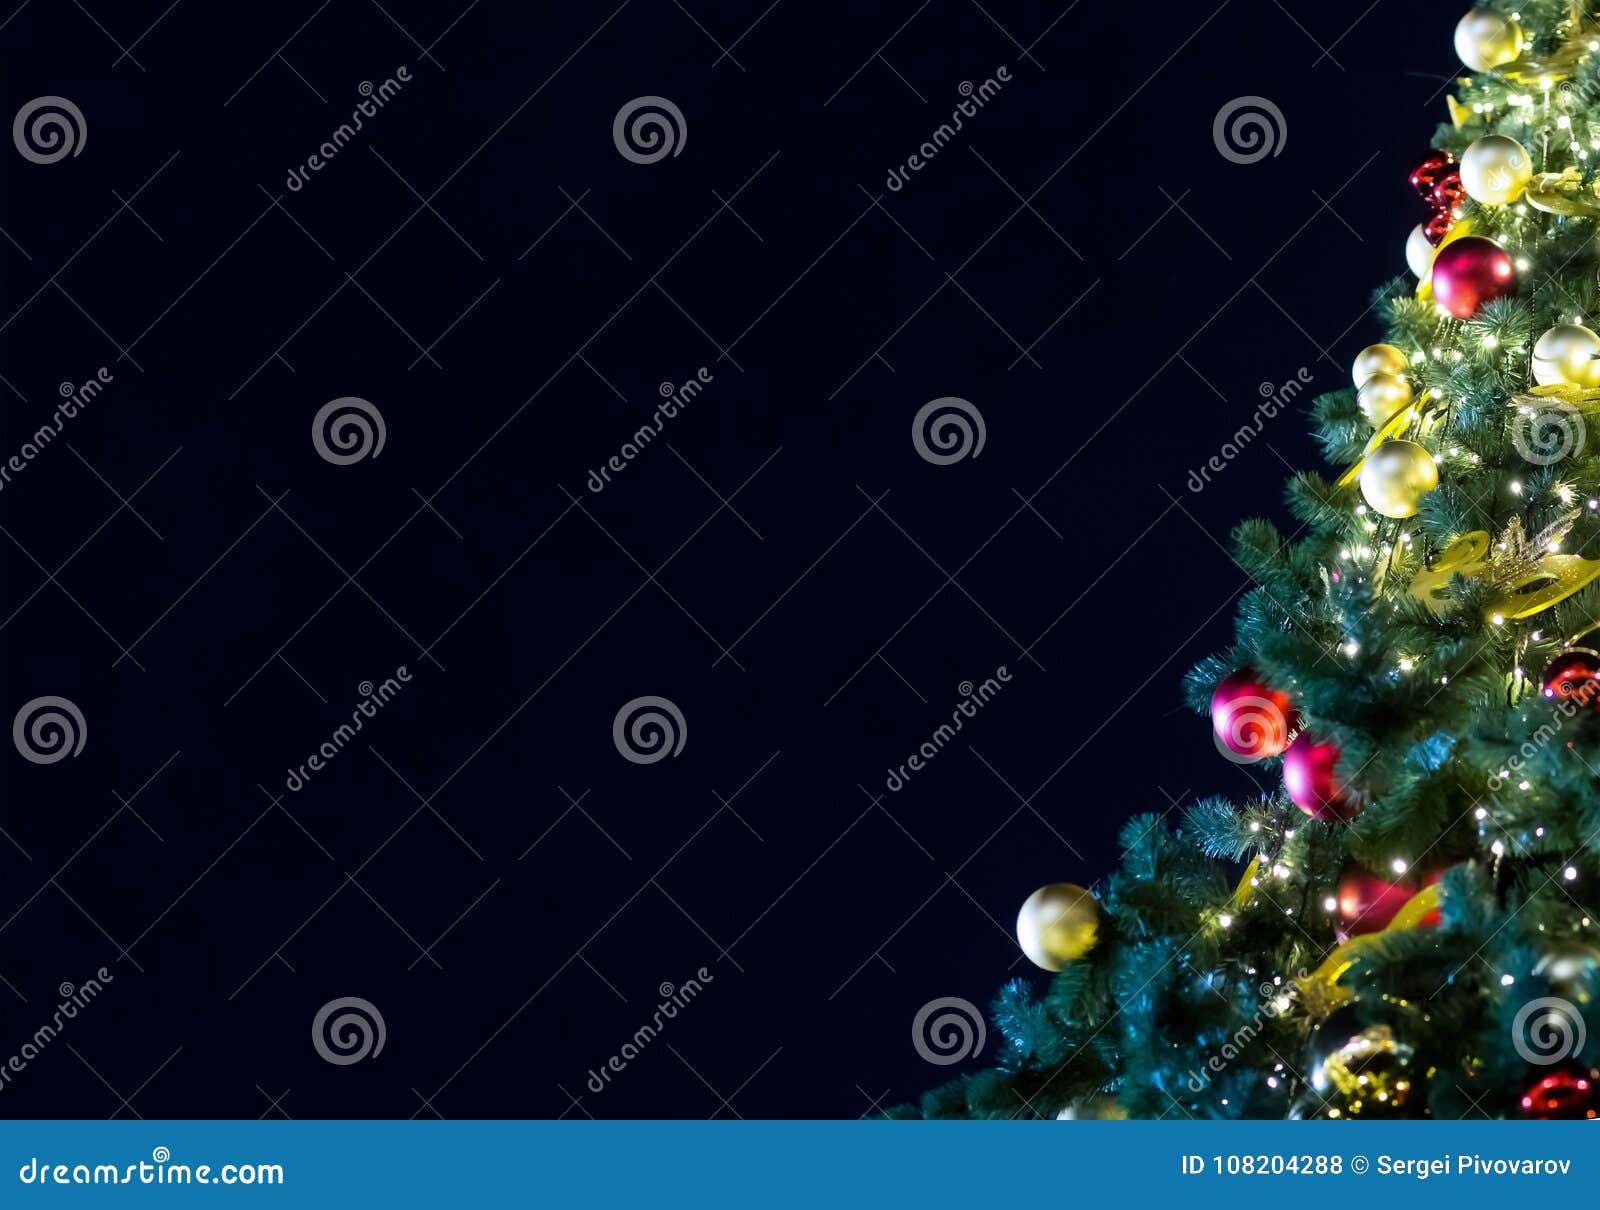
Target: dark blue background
{"x":828,"y":910}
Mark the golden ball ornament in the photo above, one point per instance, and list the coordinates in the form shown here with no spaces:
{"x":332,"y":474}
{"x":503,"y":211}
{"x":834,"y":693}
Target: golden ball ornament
{"x":1486,"y":39}
{"x":1372,"y":1075}
{"x":1377,"y":359}
{"x":1572,"y":971}
{"x":1057,"y":924}
{"x":1395,"y":477}
{"x":1094,"y":1109}
{"x":1419,"y":251}
{"x":1567,"y":353}
{"x":1495,"y":170}
{"x":1382,"y":396}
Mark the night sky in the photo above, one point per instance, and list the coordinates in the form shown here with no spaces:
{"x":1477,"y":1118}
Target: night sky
{"x":511,"y":293}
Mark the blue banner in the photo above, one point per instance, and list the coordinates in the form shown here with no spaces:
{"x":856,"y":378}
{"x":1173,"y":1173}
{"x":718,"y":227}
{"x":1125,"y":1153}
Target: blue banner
{"x":801,"y":1164}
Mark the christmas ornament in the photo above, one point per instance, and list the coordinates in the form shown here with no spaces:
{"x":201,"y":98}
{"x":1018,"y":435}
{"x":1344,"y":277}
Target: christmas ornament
{"x":1469,"y":272}
{"x":1396,"y":475}
{"x":1563,"y":193}
{"x":1249,"y":718}
{"x":1381,"y":396}
{"x":1574,"y":676}
{"x":1372,"y":1074}
{"x":1426,"y":174}
{"x":1377,"y":359}
{"x":1057,"y":923}
{"x":1094,"y":1109}
{"x":1567,"y":353}
{"x":1310,"y":781}
{"x":1494,"y":171}
{"x":1369,"y":904}
{"x":1572,"y":971}
{"x":1486,"y":39}
{"x":1562,"y":1095}
{"x":1321,"y":992}
{"x":1419,"y":251}
{"x":1448,"y":191}
{"x":1436,"y":228}
{"x":1525,"y":576}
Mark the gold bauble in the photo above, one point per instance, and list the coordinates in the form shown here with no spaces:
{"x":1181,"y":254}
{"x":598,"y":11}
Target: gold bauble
{"x":1419,"y":251}
{"x":1495,"y":170}
{"x":1486,"y":39}
{"x":1373,"y":1075}
{"x":1572,"y":971}
{"x":1567,"y":353}
{"x":1396,"y":475}
{"x":1382,"y":396}
{"x":1058,"y":923}
{"x":1377,"y":359}
{"x":1094,"y":1109}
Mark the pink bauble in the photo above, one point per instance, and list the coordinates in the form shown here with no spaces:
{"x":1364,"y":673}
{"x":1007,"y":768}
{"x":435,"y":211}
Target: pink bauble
{"x":1251,"y":720}
{"x":1368,"y":903}
{"x":1469,"y":272}
{"x":1310,"y":781}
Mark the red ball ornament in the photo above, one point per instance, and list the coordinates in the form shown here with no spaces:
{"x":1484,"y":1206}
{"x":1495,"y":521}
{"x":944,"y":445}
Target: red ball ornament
{"x":1309,"y":779}
{"x":1448,"y":191}
{"x":1437,"y":227}
{"x":1250,"y":719}
{"x":1469,"y":272}
{"x":1368,"y":903}
{"x":1574,"y":676}
{"x":1426,"y":174}
{"x":1562,"y":1095}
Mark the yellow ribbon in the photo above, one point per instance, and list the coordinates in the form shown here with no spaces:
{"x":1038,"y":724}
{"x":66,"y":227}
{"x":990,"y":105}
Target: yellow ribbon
{"x":1321,"y":989}
{"x":1242,"y":892}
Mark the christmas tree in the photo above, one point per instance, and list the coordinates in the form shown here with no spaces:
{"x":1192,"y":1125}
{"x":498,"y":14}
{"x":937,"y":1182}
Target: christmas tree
{"x":1409,"y":927}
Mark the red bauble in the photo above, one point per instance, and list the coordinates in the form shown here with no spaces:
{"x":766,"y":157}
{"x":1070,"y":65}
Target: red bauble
{"x":1310,"y":781}
{"x":1437,"y":227}
{"x":1561,"y":1095}
{"x":1251,"y":720}
{"x":1574,"y":676}
{"x":1448,"y":191}
{"x":1469,"y":272}
{"x":1368,"y":903}
{"x":1426,"y":174}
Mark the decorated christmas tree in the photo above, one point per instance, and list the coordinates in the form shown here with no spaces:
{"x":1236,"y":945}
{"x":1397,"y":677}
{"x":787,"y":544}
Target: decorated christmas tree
{"x":1409,"y":928}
